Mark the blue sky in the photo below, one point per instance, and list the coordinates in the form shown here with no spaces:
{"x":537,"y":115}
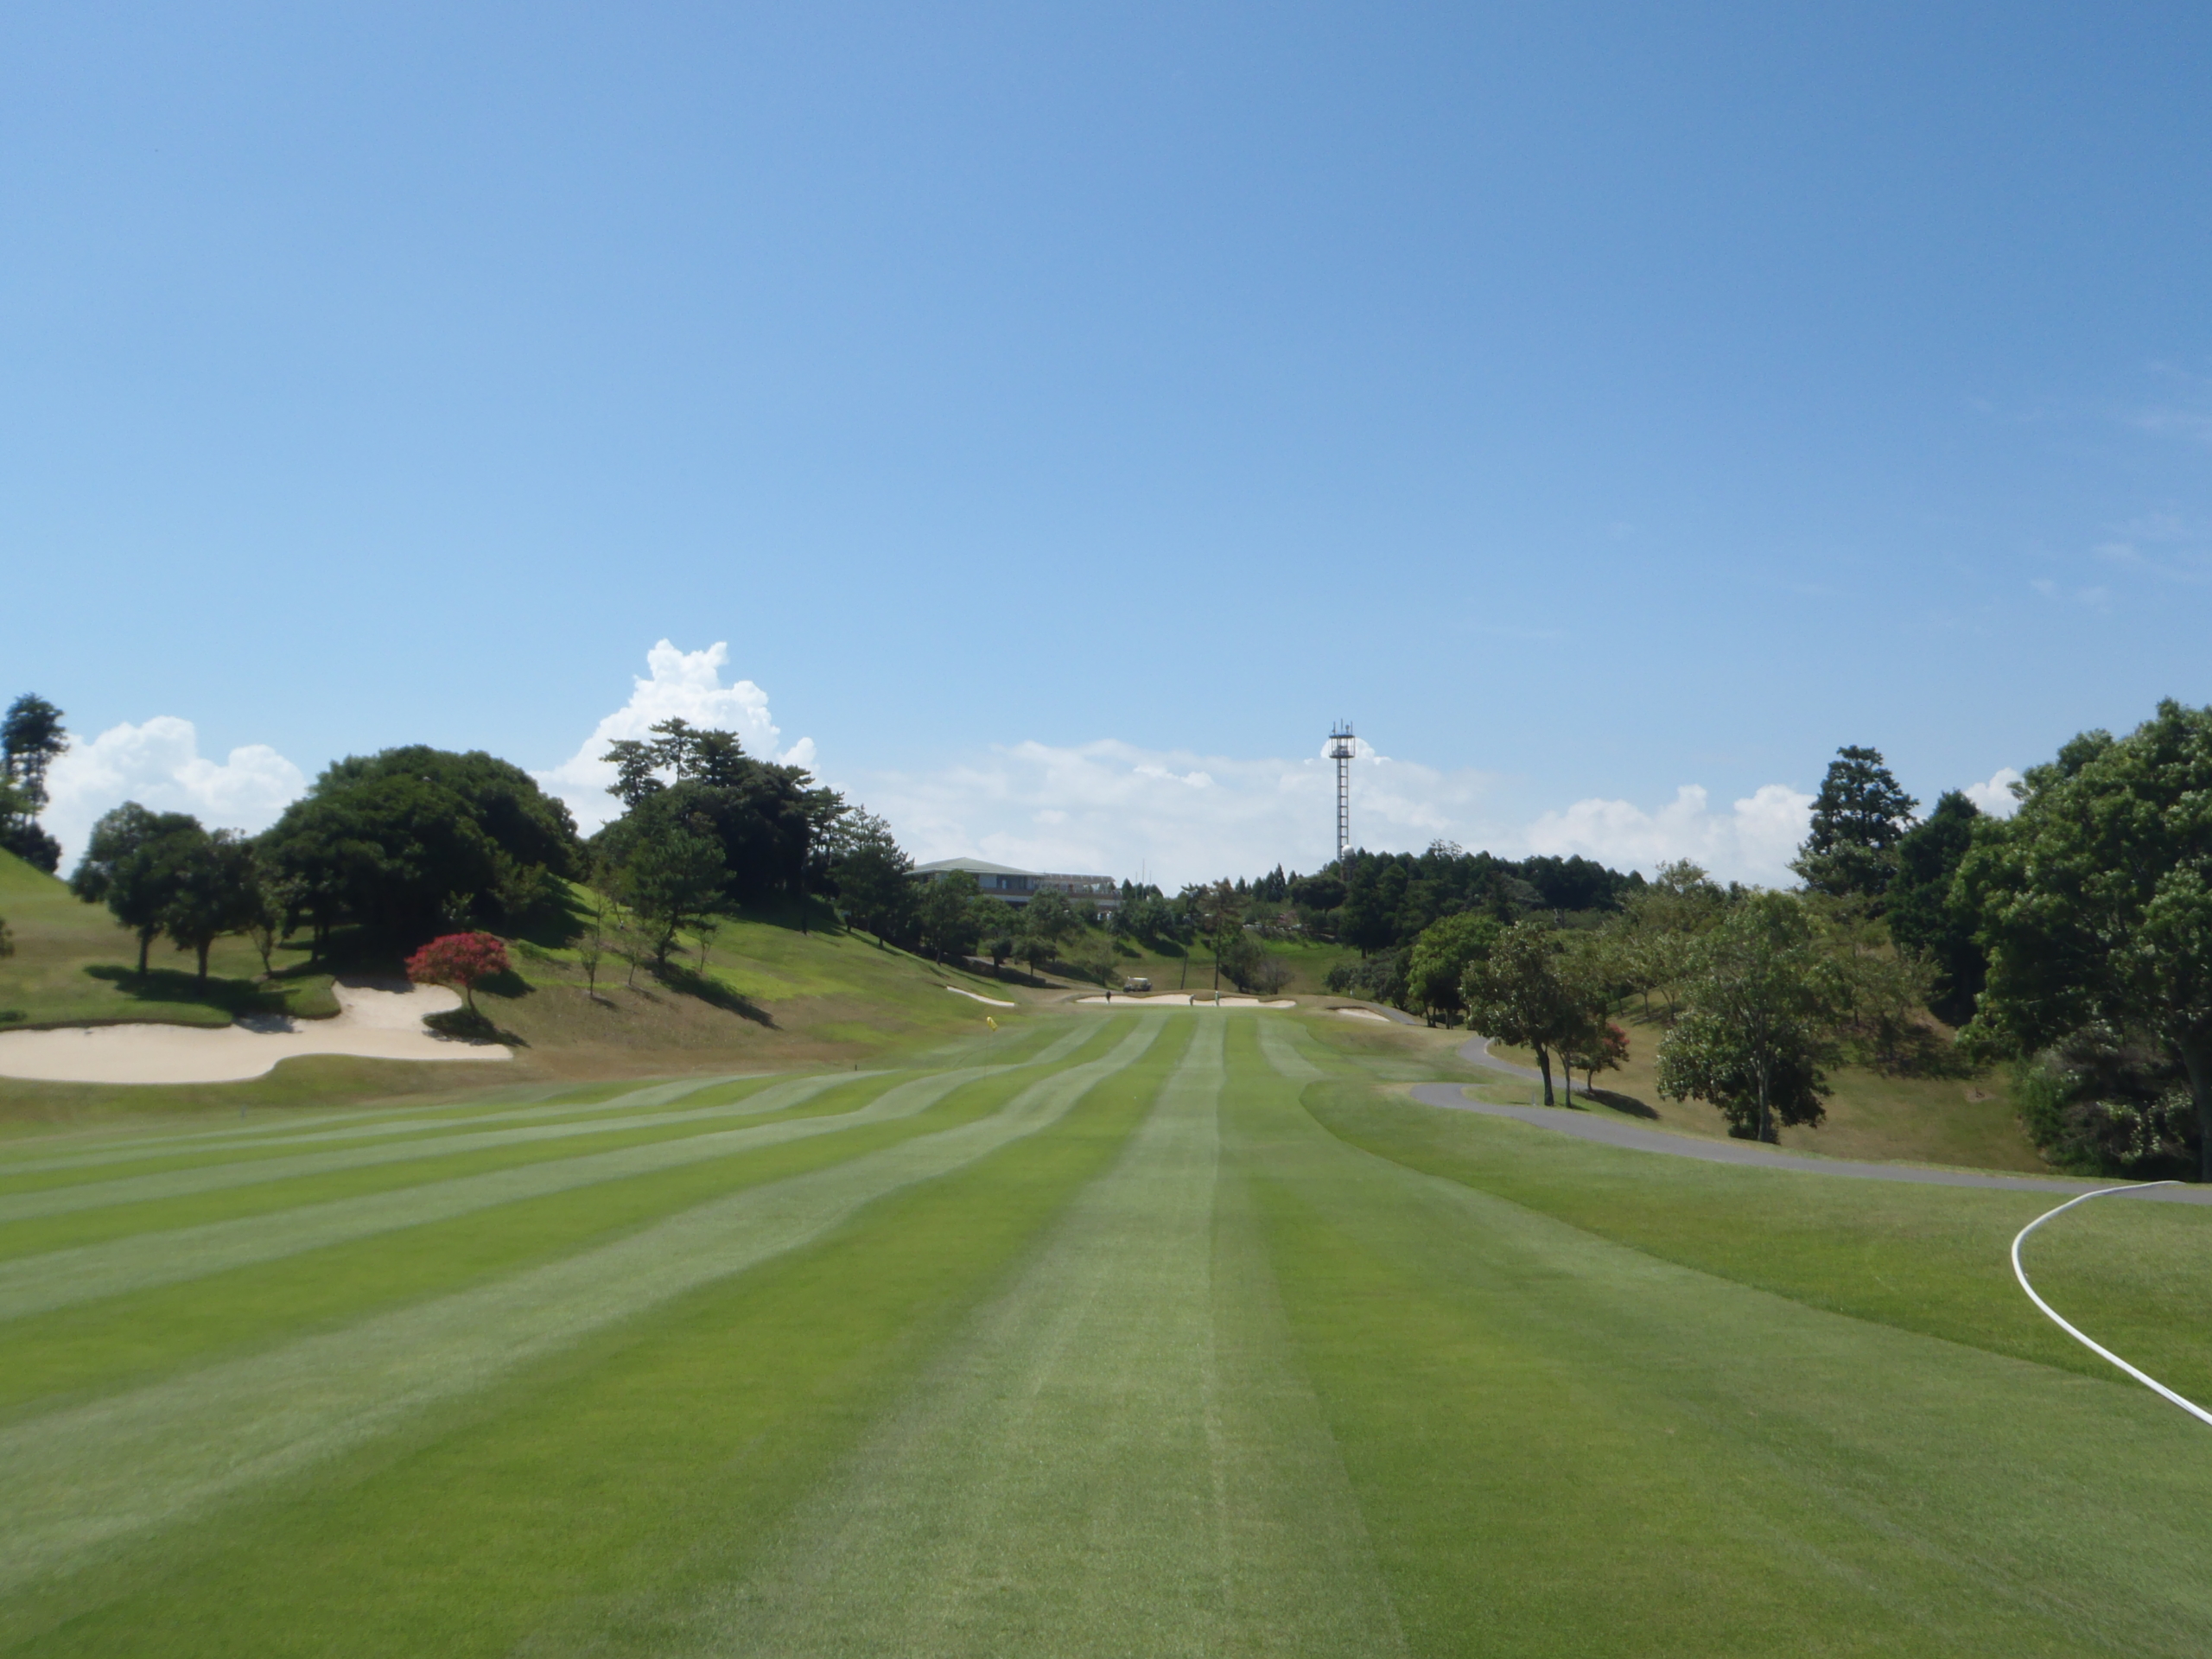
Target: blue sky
{"x":1049,"y":406}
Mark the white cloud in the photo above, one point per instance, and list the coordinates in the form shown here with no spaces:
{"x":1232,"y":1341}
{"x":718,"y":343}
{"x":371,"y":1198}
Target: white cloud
{"x":1753,"y":843}
{"x":1112,"y":808}
{"x":159,"y":764}
{"x":1996,"y":797}
{"x":682,"y":684}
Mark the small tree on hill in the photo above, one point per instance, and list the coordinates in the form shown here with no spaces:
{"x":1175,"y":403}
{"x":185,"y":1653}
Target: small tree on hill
{"x":1763,"y":1008}
{"x":133,"y":862}
{"x":1047,"y":922}
{"x":946,"y":914}
{"x":673,"y":878}
{"x":1526,"y":992}
{"x":591,"y":945}
{"x":460,"y":960}
{"x":997,"y":926}
{"x":214,"y":893}
{"x":1603,"y":1046}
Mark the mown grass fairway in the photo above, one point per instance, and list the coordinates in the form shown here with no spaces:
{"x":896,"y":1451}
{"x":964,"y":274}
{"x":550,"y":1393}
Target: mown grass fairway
{"x":1128,"y":1332}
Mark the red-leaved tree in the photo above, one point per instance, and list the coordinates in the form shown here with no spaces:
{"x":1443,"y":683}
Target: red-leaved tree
{"x":460,"y":960}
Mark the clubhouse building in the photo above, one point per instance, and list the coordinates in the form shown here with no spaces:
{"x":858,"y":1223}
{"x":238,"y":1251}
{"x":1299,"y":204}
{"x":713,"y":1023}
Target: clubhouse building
{"x":1100,"y":893}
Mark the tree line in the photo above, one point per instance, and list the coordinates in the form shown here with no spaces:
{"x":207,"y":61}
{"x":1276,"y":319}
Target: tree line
{"x":2071,"y":939}
{"x":414,"y":842}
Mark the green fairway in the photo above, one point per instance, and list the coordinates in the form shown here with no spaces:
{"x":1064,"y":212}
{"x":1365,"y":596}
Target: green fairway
{"x":1140,"y":1333}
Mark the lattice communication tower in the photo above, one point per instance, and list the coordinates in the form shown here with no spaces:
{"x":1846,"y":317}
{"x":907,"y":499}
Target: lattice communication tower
{"x":1342,"y":747}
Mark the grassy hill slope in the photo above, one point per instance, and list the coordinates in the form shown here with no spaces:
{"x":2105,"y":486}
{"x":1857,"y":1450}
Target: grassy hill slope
{"x":769,"y":996}
{"x":74,"y":965}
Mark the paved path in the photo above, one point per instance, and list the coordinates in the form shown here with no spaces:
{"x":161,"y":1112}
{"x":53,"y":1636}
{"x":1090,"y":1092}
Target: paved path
{"x":1588,"y":1126}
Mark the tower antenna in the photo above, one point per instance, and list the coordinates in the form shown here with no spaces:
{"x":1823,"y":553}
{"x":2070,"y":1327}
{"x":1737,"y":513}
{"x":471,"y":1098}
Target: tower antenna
{"x":1342,"y":747}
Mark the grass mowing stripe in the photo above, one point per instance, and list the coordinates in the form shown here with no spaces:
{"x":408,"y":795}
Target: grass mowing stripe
{"x":103,"y":1137}
{"x":451,"y":1116}
{"x":56,"y":1279}
{"x":220,"y":1177}
{"x":1104,"y":1464}
{"x":61,"y":1278}
{"x":1278,"y":1042}
{"x":74,"y":1354}
{"x":656,"y":1453}
{"x":85,"y":1228}
{"x":74,"y":1481}
{"x":1565,"y":1447}
{"x":228,"y":1142}
{"x":817,"y":1096}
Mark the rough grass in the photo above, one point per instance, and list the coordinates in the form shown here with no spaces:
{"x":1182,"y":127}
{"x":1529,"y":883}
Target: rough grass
{"x":1156,"y":1333}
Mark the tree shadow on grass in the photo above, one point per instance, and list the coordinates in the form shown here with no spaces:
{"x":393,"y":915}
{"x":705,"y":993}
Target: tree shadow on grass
{"x":235,"y":997}
{"x":472,"y":1025}
{"x":1626,"y":1103}
{"x":712,"y":991}
{"x":509,"y":984}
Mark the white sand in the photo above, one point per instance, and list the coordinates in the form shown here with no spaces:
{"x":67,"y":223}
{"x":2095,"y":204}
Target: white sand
{"x":1363,"y":1013}
{"x":1188,"y":1000}
{"x":980,"y":997}
{"x":376,"y":1020}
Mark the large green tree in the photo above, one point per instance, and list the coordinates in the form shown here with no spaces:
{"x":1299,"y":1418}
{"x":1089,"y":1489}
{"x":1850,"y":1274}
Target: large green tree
{"x":1924,"y":915}
{"x":31,"y":736}
{"x":872,"y":877}
{"x":1761,"y":1021}
{"x":1437,"y":966}
{"x":133,"y":863}
{"x":1859,"y":818}
{"x":410,"y":837}
{"x":778,"y":831}
{"x":2094,"y":901}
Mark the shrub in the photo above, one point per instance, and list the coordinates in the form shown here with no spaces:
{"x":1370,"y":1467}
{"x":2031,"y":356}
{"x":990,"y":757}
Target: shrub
{"x":460,"y":960}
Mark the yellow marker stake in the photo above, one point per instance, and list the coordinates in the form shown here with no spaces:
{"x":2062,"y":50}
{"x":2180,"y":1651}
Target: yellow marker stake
{"x":992,"y":1023}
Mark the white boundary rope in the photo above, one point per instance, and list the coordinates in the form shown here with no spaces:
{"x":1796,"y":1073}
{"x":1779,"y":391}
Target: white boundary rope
{"x":2051,"y":1313}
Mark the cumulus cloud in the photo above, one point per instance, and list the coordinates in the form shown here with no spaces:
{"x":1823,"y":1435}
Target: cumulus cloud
{"x":1996,"y":797}
{"x":1170,"y":817}
{"x":159,"y":764}
{"x":1753,"y":842}
{"x":681,"y":684}
{"x":1112,"y":808}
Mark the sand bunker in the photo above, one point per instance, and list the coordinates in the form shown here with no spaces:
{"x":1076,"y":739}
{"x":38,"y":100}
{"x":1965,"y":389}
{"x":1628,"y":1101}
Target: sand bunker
{"x":980,"y":997}
{"x":376,"y":1020}
{"x":1363,"y":1013}
{"x":1189,"y":1000}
